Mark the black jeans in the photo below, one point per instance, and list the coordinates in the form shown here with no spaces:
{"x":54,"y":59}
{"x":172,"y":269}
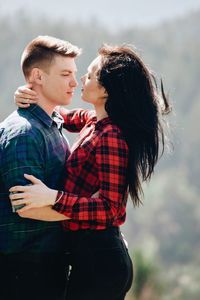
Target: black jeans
{"x":101,"y":266}
{"x":27,"y":277}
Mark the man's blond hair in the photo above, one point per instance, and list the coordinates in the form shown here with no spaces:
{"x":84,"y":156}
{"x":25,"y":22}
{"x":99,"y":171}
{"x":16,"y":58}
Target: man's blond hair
{"x":41,"y":51}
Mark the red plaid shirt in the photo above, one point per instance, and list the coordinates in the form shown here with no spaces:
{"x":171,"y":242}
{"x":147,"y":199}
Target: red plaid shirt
{"x":98,"y":162}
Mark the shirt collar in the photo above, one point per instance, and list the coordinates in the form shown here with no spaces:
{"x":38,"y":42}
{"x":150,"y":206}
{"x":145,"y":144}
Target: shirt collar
{"x":58,"y":119}
{"x":101,"y":123}
{"x":40,"y":114}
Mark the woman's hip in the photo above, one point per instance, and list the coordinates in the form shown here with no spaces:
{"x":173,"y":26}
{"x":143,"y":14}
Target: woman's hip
{"x":100,"y":262}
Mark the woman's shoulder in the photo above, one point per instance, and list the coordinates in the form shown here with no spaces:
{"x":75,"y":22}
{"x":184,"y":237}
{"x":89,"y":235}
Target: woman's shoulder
{"x":113,"y":135}
{"x":111,"y":129}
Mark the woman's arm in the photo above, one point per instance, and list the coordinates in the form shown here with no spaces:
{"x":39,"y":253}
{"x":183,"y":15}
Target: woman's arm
{"x":75,"y":119}
{"x":42,"y":214}
{"x":112,"y":162}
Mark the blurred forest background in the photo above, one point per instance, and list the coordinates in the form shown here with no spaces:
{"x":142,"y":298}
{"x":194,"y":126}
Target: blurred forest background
{"x":164,"y":233}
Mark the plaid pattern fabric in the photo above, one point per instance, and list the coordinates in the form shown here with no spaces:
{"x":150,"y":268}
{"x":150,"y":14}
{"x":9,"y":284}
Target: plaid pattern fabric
{"x":76,"y":119}
{"x":98,"y":162}
{"x":30,"y":142}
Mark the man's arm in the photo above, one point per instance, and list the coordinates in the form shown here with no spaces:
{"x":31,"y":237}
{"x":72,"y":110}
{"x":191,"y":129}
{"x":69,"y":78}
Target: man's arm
{"x":22,"y":154}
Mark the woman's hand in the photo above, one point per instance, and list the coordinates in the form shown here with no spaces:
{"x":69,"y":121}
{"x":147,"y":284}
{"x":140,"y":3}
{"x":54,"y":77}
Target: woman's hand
{"x":33,"y":196}
{"x":24,"y":96}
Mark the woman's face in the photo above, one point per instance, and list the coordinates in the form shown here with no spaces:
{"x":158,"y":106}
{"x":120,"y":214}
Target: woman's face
{"x":92,"y":91}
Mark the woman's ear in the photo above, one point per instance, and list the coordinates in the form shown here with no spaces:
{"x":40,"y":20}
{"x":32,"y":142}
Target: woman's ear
{"x":105,"y":93}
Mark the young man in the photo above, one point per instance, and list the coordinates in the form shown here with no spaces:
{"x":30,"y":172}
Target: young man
{"x":32,"y":253}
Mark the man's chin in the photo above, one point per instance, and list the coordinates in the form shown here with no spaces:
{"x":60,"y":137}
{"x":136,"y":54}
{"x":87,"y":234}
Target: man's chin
{"x":66,"y":102}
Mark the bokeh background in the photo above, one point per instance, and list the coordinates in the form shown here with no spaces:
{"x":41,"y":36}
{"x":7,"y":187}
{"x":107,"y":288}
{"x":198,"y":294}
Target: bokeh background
{"x":164,"y":233}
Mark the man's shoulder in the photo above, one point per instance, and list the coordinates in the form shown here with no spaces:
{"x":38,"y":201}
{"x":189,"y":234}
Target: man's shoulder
{"x":19,"y":123}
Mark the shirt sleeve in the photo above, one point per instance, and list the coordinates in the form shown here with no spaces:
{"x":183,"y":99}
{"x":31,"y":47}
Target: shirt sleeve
{"x":112,"y":162}
{"x":22,"y":154}
{"x":76,"y":119}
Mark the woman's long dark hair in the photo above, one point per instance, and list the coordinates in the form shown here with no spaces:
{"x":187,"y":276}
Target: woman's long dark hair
{"x":135,"y":105}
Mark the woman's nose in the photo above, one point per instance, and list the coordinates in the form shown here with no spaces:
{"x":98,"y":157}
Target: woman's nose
{"x":83,"y":78}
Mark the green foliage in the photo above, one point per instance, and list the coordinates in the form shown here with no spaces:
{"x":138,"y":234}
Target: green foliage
{"x":146,"y":277}
{"x":144,"y":272}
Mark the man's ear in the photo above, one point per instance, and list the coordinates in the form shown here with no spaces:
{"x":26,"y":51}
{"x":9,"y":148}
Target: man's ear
{"x":35,"y":76}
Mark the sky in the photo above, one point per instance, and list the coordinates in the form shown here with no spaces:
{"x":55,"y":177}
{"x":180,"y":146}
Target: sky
{"x":113,"y":13}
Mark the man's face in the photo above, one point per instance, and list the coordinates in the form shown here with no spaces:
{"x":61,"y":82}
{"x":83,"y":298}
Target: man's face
{"x":59,"y":83}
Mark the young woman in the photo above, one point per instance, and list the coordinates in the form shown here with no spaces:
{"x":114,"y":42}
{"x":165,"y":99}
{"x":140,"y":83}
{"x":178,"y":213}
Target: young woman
{"x":117,"y":150}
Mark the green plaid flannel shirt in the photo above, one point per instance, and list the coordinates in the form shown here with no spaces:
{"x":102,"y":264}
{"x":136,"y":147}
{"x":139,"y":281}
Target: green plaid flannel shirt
{"x":30,"y":142}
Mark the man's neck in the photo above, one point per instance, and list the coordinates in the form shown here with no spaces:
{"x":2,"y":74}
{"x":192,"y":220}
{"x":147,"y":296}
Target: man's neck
{"x":44,"y":103}
{"x":46,"y":107}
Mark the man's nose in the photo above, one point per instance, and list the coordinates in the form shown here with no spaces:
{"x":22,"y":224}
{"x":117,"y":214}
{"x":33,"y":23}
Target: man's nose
{"x":74,"y":82}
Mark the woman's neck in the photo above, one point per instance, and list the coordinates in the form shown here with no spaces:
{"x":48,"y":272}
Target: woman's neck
{"x":100,"y":113}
